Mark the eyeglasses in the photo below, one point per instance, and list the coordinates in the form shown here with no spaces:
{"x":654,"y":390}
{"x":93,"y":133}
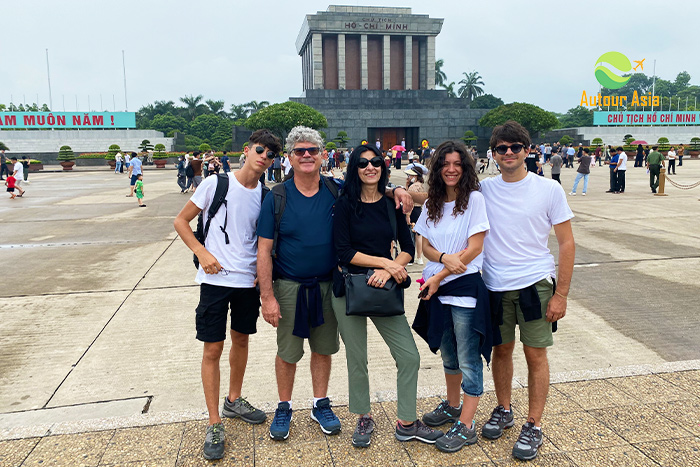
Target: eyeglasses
{"x":260,"y":150}
{"x":515,"y":148}
{"x":224,"y":272}
{"x":301,"y":151}
{"x":375,"y":161}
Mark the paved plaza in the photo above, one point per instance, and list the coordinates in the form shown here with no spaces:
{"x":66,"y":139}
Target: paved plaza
{"x":99,"y":364}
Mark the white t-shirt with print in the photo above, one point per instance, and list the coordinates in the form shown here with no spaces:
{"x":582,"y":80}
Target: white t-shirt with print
{"x":19,"y":168}
{"x":515,"y":251}
{"x":239,"y":257}
{"x":622,"y":162}
{"x":451,"y":235}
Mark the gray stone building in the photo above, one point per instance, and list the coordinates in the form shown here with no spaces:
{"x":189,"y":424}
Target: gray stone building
{"x":371,"y":72}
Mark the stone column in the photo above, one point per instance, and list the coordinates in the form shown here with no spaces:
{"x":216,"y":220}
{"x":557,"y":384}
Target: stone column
{"x":364,"y":78}
{"x":386,"y":62}
{"x":317,"y":59}
{"x":430,"y":71}
{"x":408,"y":75}
{"x":341,"y":61}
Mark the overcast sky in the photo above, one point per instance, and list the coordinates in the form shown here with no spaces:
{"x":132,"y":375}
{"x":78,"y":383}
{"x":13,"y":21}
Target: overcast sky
{"x":542,"y":52}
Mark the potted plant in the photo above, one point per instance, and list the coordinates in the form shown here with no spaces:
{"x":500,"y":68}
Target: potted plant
{"x":204,"y":147}
{"x":146,"y":146}
{"x":111,"y":155}
{"x":159,"y":156}
{"x":597,"y":142}
{"x":629,"y":148}
{"x":694,"y":146}
{"x":66,"y":157}
{"x":663,"y":145}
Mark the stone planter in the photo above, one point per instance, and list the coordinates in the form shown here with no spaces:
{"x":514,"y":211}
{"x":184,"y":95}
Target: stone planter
{"x":694,"y":154}
{"x":67,"y":165}
{"x":160,"y":163}
{"x":112,"y":164}
{"x":36,"y":167}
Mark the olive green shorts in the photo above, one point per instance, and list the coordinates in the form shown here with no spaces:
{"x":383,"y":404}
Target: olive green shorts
{"x":323,"y":339}
{"x":537,"y":333}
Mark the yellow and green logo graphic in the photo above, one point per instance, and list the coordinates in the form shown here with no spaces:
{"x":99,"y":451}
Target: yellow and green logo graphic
{"x":606,"y":77}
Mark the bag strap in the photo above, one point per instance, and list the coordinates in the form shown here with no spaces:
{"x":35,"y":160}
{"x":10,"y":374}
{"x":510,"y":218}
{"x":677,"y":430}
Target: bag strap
{"x":391,"y":210}
{"x":219,"y":199}
{"x":280,"y":202}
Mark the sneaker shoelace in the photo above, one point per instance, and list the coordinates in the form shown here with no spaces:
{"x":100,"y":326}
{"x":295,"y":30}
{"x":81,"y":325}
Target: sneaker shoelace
{"x":364,"y":424}
{"x":246,"y":404}
{"x":326,"y":413}
{"x":282,"y":417}
{"x":498,"y":415}
{"x":444,"y":405}
{"x":528,"y":433}
{"x":215,"y":435}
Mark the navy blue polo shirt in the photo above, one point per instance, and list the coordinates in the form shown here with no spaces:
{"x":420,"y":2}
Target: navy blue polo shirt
{"x":614,"y":160}
{"x":305,"y":246}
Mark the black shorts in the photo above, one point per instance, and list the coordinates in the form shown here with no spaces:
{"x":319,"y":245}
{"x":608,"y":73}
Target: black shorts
{"x":213,"y":308}
{"x":11,"y":190}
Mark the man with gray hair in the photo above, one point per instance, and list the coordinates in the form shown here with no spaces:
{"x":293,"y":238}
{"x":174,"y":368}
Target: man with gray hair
{"x":295,"y":246}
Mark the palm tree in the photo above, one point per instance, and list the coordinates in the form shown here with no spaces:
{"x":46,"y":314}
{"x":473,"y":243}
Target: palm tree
{"x":470,"y":88}
{"x":254,"y":106}
{"x":193,"y":105}
{"x":238,"y":111}
{"x":450,"y":89}
{"x":216,"y":107}
{"x":440,"y":76}
{"x":164,"y":107}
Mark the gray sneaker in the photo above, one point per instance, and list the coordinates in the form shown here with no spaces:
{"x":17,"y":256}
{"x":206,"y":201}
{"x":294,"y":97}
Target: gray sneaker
{"x":457,"y":437}
{"x":214,"y":442}
{"x":499,"y":421}
{"x":417,"y":431}
{"x":242,"y":408}
{"x":362,"y":437}
{"x":528,"y":442}
{"x":443,"y":413}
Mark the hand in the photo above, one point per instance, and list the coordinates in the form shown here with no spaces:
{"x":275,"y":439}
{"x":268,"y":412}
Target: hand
{"x":453,"y":263}
{"x":430,"y":286}
{"x":208,"y":262}
{"x":379,"y":278}
{"x":556,"y":309}
{"x":402,"y":196}
{"x":397,"y":271}
{"x":615,"y":169}
{"x":271,"y":311}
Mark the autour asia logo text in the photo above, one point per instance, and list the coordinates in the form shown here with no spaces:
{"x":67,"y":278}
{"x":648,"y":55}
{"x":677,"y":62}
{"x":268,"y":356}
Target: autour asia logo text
{"x":615,"y":80}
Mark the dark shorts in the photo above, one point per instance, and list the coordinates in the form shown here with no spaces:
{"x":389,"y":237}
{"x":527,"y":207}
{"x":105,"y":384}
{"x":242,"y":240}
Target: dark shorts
{"x":134,"y":178}
{"x":213,"y":309}
{"x":11,"y":190}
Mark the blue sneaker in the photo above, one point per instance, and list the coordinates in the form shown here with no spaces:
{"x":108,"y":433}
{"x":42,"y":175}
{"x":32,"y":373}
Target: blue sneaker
{"x":325,"y":417}
{"x":279,"y":429}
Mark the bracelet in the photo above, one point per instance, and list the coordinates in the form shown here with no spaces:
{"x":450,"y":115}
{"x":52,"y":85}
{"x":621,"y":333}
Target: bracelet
{"x":440,"y":260}
{"x":562,"y":296}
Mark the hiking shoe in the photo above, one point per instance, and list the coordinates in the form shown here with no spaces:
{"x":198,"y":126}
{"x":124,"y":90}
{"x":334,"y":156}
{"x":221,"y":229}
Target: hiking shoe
{"x":242,"y":408}
{"x":500,"y":420}
{"x":572,"y":194}
{"x":529,"y":440}
{"x":214,"y":442}
{"x":417,"y":431}
{"x":323,"y":414}
{"x":279,"y":429}
{"x":457,"y":437}
{"x":442,"y":414}
{"x":362,"y":436}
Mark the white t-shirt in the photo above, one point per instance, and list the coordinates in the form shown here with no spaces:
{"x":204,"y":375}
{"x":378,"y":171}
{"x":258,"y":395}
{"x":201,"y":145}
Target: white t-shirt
{"x":127,"y":157}
{"x":672,"y":155}
{"x":286,"y":165}
{"x":515,"y":251}
{"x":451,"y":235}
{"x":489,"y":154}
{"x":19,"y":168}
{"x":622,"y":162}
{"x":239,"y":257}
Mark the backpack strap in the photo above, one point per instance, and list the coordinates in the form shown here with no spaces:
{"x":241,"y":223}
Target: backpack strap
{"x":332,"y":185}
{"x":219,"y":199}
{"x":279,"y":192}
{"x":391,"y":209}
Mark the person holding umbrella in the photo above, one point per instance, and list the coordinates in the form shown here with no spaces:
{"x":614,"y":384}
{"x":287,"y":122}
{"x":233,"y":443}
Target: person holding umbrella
{"x":397,"y":152}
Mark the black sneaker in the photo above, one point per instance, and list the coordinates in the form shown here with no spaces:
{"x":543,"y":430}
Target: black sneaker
{"x":529,"y":440}
{"x":243,"y":409}
{"x":417,"y":431}
{"x":279,"y":429}
{"x":214,"y":442}
{"x":500,"y":420}
{"x":362,"y":437}
{"x":443,"y":413}
{"x":457,"y":437}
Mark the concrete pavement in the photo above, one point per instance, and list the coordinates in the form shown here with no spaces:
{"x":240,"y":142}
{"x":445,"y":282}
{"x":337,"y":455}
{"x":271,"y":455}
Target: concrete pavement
{"x":99,"y":327}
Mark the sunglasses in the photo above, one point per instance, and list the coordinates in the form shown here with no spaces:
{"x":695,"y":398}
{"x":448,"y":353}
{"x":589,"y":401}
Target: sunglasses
{"x":375,"y":161}
{"x":260,"y":150}
{"x":301,"y":151}
{"x":515,"y":148}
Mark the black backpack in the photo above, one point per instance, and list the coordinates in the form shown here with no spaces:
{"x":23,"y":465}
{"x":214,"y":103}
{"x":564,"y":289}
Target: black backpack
{"x":189,"y":171}
{"x":219,"y":198}
{"x":280,"y":201}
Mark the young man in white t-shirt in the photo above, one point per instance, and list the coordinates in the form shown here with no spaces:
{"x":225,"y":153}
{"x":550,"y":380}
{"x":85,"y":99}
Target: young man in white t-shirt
{"x":621,"y":170}
{"x":228,"y":275}
{"x":18,"y":173}
{"x":518,"y":271}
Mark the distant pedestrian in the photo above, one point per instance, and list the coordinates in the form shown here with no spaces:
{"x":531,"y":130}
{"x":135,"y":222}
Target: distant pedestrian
{"x":584,"y":170}
{"x":25,"y":167}
{"x":181,"y":174}
{"x":277,"y":168}
{"x":10,"y":184}
{"x":556,"y":162}
{"x":639,"y":158}
{"x":225,"y":163}
{"x":127,"y":160}
{"x":681,"y":153}
{"x":18,"y":175}
{"x":570,"y":156}
{"x":134,"y":170}
{"x":655,"y":160}
{"x":118,"y":161}
{"x":621,"y":170}
{"x":196,"y":164}
{"x":671,"y":161}
{"x":139,"y":190}
{"x":4,"y":170}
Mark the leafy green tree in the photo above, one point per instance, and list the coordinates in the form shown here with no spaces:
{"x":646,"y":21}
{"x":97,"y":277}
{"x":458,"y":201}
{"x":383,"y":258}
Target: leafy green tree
{"x":450,"y":88}
{"x":192,"y":143}
{"x":45,"y":108}
{"x":193,"y":105}
{"x":204,"y":147}
{"x":254,"y":106}
{"x":20,"y":108}
{"x":280,"y":118}
{"x":597,"y":142}
{"x":238,"y":112}
{"x":168,"y":123}
{"x":212,"y":128}
{"x":32,"y":107}
{"x":469,"y":137}
{"x":330,"y":146}
{"x":216,"y":107}
{"x":487,"y":101}
{"x":440,"y":76}
{"x":112,"y":152}
{"x":341,"y":139}
{"x":566,"y":140}
{"x":682,"y":81}
{"x":160,"y":147}
{"x":3,"y":107}
{"x":3,"y":146}
{"x":146,"y":145}
{"x":578,"y":116}
{"x":12,"y":107}
{"x":533,"y":118}
{"x":65,"y":153}
{"x":470,"y":86}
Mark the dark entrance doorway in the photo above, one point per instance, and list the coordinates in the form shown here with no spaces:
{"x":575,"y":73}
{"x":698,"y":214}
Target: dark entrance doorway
{"x":390,"y":137}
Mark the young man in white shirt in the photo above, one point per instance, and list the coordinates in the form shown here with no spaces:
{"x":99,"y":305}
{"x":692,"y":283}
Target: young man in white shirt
{"x":228,"y":276}
{"x":518,"y":271}
{"x":18,"y":173}
{"x":621,"y":170}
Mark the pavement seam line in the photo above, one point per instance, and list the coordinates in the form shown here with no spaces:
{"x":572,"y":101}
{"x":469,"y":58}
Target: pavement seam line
{"x":74,"y":366}
{"x":76,"y":405}
{"x":114,"y":433}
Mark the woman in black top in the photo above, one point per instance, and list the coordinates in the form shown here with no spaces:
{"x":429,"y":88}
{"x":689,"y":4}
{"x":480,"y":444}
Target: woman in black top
{"x":363,"y":234}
